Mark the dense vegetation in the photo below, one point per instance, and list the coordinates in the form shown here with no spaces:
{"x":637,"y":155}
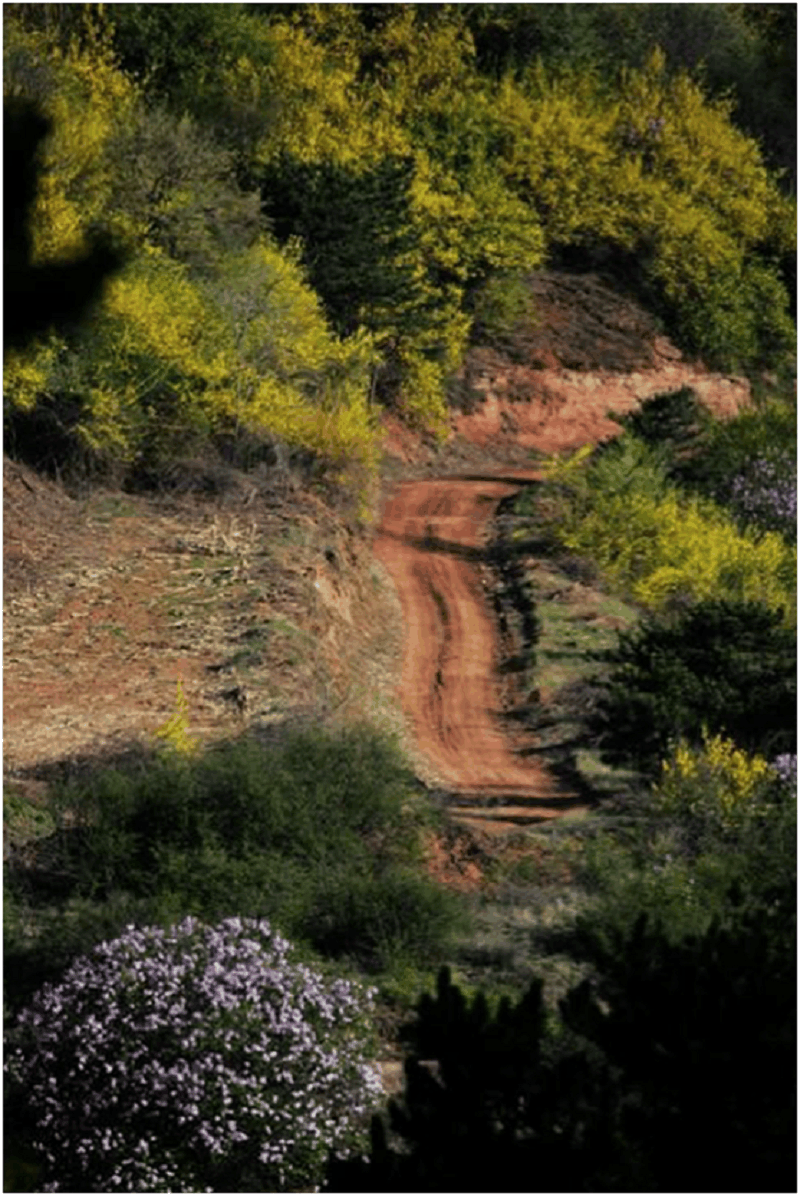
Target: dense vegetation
{"x":317,"y":205}
{"x":676,"y":1044}
{"x":282,"y":218}
{"x":320,"y":834}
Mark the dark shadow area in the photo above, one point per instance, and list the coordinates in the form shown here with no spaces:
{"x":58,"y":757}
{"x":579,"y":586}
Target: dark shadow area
{"x":499,"y":800}
{"x":523,"y":483}
{"x":514,"y":664}
{"x":448,"y":547}
{"x":38,"y":298}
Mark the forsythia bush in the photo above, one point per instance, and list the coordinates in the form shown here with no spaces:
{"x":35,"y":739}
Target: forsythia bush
{"x":174,"y":733}
{"x":403,"y":178}
{"x":716,"y":780}
{"x":201,"y":1058}
{"x":288,"y":375}
{"x":661,"y":545}
{"x":26,"y":373}
{"x":655,"y":168}
{"x":88,"y":100}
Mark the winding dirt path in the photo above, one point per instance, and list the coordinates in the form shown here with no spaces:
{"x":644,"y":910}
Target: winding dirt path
{"x":431,"y":539}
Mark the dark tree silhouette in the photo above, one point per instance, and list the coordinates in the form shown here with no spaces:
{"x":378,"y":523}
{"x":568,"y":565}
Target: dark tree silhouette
{"x":40,"y":297}
{"x":673,"y":1071}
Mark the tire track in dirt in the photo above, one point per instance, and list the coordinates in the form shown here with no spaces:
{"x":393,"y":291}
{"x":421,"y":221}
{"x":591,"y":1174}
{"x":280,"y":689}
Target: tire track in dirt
{"x":432,"y":538}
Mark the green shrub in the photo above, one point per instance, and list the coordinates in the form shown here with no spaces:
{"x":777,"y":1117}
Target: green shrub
{"x":746,"y":464}
{"x":500,"y":308}
{"x":314,"y":798}
{"x":386,"y":920}
{"x":651,"y":876}
{"x":727,"y":666}
{"x":672,"y":419}
{"x":765,"y":431}
{"x":498,"y":1106}
{"x":703,"y":1032}
{"x":716,"y":785}
{"x":320,"y":833}
{"x":684,"y":872}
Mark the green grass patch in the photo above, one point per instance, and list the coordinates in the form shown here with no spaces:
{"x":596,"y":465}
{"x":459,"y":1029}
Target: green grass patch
{"x":23,"y":817}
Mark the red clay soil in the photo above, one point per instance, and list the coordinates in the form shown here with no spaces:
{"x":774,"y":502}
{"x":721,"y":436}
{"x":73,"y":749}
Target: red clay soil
{"x":450,"y":686}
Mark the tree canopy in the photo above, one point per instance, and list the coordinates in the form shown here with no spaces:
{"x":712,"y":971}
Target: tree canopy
{"x":391,"y":162}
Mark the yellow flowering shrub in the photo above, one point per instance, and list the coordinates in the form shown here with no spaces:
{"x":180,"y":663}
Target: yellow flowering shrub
{"x":319,"y":111}
{"x":159,"y":313}
{"x":717,"y":779}
{"x":659,"y":549}
{"x":26,"y":372}
{"x":656,"y":168}
{"x":423,"y":396}
{"x":174,"y":735}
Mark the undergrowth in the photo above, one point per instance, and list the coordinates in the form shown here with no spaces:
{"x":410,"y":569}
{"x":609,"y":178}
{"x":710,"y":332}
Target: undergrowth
{"x":320,"y":834}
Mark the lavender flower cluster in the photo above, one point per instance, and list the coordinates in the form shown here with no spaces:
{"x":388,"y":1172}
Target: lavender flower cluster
{"x":766,"y":492}
{"x":171,"y":1060}
{"x":786,"y":768}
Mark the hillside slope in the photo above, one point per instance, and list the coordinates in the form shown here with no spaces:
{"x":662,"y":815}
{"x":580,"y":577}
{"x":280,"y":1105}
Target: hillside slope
{"x":266,"y":605}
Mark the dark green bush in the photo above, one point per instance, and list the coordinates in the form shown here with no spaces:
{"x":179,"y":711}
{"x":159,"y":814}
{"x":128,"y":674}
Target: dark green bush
{"x":384,"y":920}
{"x":728,"y":666}
{"x":703,"y":1033}
{"x":728,"y":448}
{"x":671,"y":419}
{"x":684,"y":874}
{"x":673,"y":1071}
{"x":499,"y":1114}
{"x":319,"y":833}
{"x":747,"y":464}
{"x":317,"y":798}
{"x":502,"y":308}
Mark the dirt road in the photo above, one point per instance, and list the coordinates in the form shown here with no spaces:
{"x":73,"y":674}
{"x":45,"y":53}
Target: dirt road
{"x":432,"y":539}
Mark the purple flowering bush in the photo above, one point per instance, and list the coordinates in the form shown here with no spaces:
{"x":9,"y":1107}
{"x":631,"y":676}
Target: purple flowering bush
{"x":199,"y":1058}
{"x":765,"y":493}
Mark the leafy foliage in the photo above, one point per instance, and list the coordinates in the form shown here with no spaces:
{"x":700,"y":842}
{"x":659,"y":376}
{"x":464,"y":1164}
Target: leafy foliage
{"x":748,"y":463}
{"x":672,"y":420}
{"x":663,"y":547}
{"x":415,"y":190}
{"x":86,"y":101}
{"x":712,"y":840}
{"x":726,"y":666}
{"x":502,"y":310}
{"x":739,"y":50}
{"x":717,"y":782}
{"x":499,"y":1104}
{"x":38,"y":297}
{"x":179,"y":188}
{"x":201,"y":1055}
{"x":696,"y":1029}
{"x":320,"y":834}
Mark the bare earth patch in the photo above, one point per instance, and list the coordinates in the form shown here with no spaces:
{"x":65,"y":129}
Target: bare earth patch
{"x":262,"y":610}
